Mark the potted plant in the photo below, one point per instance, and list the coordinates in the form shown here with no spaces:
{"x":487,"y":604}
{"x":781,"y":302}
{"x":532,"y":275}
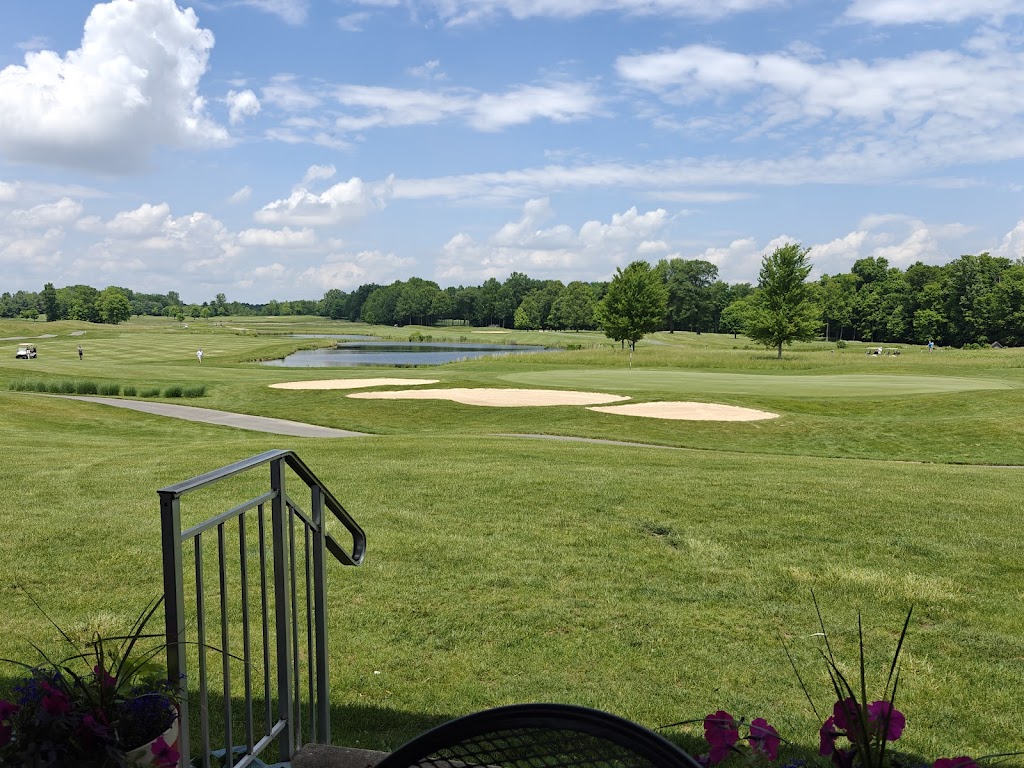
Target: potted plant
{"x":106,"y":704}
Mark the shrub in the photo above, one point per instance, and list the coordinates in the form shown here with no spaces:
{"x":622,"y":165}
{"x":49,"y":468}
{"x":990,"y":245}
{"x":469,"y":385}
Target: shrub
{"x":173,"y":391}
{"x":67,"y":387}
{"x":150,"y":392}
{"x":840,"y":344}
{"x":129,"y":390}
{"x":574,"y":346}
{"x":197,"y":391}
{"x":86,"y":388}
{"x":111,"y":390}
{"x":971,"y":345}
{"x":41,"y":386}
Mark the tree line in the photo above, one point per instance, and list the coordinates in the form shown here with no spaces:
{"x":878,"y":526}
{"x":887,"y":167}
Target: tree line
{"x":974,"y":299}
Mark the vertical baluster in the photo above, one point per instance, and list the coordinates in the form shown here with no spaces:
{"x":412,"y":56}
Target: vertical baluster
{"x":204,"y":700}
{"x":174,"y":612}
{"x":310,"y":678}
{"x":323,"y":695}
{"x":297,"y":709}
{"x":225,"y":644}
{"x":246,"y":645}
{"x":267,"y":699}
{"x":282,"y":611}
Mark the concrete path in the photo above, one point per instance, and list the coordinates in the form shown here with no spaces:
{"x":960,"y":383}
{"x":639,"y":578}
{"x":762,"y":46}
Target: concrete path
{"x":223,"y":418}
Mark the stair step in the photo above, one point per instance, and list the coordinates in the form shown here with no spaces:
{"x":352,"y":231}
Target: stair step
{"x":326,"y":756}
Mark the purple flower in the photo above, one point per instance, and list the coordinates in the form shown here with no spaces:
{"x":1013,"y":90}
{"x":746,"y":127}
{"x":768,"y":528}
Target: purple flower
{"x":828,"y":735}
{"x":846,"y":714}
{"x":882,"y":714}
{"x":722,"y":732}
{"x":164,"y":754}
{"x":763,"y":738}
{"x":55,"y":702}
{"x":956,"y":762}
{"x":7,"y":709}
{"x":105,"y":679}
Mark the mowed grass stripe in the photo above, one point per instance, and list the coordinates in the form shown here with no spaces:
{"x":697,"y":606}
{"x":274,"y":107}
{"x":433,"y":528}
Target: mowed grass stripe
{"x":701,"y":383}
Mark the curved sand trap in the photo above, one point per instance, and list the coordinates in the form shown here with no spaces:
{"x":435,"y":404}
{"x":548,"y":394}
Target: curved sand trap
{"x":688,"y":411}
{"x":350,"y":383}
{"x":500,"y":398}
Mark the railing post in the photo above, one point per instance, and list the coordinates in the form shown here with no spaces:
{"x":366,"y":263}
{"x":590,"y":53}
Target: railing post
{"x":323,"y":692}
{"x":282,"y":608}
{"x":174,"y":612}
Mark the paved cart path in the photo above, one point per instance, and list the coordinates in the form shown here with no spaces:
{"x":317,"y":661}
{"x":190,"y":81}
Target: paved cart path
{"x":224,"y":418}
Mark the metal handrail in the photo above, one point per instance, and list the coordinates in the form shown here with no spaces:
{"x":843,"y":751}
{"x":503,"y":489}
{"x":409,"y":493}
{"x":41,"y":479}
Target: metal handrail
{"x":285,"y":516}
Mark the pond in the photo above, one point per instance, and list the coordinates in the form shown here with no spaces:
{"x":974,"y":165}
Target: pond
{"x":399,"y":354}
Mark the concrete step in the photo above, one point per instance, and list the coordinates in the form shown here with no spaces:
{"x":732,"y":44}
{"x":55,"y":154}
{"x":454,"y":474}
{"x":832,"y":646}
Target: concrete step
{"x":325,"y":756}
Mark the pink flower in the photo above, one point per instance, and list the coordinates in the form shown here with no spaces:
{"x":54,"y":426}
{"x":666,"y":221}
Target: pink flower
{"x":763,"y":738}
{"x":55,"y":702}
{"x":956,"y":762}
{"x":722,"y":732}
{"x":7,"y":708}
{"x":882,"y":714}
{"x":828,"y":735}
{"x":106,"y":680}
{"x":164,"y":755}
{"x":846,"y":714}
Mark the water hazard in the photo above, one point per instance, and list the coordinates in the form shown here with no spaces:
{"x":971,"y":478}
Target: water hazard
{"x":397,"y":354}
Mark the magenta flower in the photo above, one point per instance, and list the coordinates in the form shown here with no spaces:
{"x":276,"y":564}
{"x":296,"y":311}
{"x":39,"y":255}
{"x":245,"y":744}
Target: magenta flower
{"x":164,"y":755}
{"x":55,"y":702}
{"x":106,"y":680}
{"x":722,"y":732}
{"x":882,"y":714}
{"x":956,"y":762}
{"x":828,"y":735}
{"x":7,"y":708}
{"x":763,"y":738}
{"x":846,"y":714}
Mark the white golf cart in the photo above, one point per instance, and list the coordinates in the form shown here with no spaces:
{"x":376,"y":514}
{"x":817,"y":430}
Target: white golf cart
{"x":25,"y":351}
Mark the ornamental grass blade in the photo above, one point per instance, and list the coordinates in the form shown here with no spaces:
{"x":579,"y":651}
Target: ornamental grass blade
{"x":800,"y":680}
{"x":899,"y":647}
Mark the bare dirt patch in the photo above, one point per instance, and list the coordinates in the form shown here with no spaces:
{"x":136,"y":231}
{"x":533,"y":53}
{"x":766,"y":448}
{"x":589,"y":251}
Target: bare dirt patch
{"x":684,"y":411}
{"x":499,"y":398}
{"x":350,"y":383}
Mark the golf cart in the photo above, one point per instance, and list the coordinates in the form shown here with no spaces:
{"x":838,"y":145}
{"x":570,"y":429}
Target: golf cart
{"x":25,"y":351}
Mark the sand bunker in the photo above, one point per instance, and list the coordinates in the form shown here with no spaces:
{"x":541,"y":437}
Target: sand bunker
{"x":688,"y":411}
{"x":351,"y":383}
{"x":500,"y":398}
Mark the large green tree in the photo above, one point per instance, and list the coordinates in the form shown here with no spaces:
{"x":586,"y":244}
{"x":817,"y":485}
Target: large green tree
{"x":634,"y":305}
{"x":782,"y":310}
{"x":113,"y":305}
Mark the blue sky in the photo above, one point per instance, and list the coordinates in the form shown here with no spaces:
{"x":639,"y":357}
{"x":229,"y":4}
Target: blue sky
{"x":278,"y":148}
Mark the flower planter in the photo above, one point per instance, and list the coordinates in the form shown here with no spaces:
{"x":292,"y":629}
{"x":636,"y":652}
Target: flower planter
{"x":155,"y":753}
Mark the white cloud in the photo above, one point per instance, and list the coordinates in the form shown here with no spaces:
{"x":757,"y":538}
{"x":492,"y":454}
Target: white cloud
{"x":241,"y":195}
{"x":883,"y":12}
{"x":64,"y":211}
{"x":277,"y":238}
{"x":353,"y":22}
{"x":131,"y":86}
{"x":316,"y":172}
{"x":145,"y":220}
{"x":429,"y":70}
{"x":590,"y":253}
{"x":283,"y":92}
{"x":8,"y":192}
{"x":290,"y":11}
{"x":562,"y":103}
{"x":344,"y":202}
{"x":349,"y":271}
{"x":241,"y":104}
{"x":456,"y":12}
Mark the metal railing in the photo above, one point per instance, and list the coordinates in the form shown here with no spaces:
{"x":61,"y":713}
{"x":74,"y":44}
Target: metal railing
{"x":291,"y":600}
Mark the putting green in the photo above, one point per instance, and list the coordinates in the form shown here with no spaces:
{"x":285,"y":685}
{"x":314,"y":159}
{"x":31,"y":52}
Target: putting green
{"x":696,"y":382}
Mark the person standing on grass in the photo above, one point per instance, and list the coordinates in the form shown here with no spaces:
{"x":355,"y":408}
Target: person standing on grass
{"x":199,"y":355}
{"x":80,"y":353}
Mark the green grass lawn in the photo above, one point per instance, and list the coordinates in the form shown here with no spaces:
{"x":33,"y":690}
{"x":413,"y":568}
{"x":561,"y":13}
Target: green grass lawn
{"x":652,"y":583}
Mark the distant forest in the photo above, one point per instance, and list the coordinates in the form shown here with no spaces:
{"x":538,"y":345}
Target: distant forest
{"x":973,"y":300}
